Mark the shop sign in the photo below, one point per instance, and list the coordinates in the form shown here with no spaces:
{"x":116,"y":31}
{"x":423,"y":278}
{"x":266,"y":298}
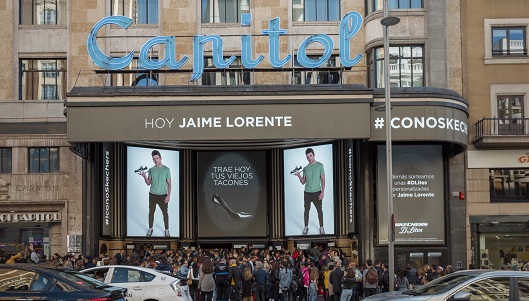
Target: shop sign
{"x":498,"y":159}
{"x":30,"y":217}
{"x":106,"y":206}
{"x":428,"y":123}
{"x":524,"y":158}
{"x":348,"y":28}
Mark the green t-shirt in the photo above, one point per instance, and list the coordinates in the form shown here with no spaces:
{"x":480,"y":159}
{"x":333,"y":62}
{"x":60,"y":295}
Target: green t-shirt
{"x":159,"y":176}
{"x":312,"y":174}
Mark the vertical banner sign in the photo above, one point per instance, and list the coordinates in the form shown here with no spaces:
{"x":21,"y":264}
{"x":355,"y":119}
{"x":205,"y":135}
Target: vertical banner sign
{"x":106,"y":204}
{"x":350,"y":187}
{"x":418,"y":195}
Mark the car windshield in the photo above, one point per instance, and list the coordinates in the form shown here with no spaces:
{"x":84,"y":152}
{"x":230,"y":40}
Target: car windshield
{"x":82,"y":279}
{"x":440,"y":285}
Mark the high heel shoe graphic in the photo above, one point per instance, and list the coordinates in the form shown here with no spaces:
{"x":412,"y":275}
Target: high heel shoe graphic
{"x":296,"y":170}
{"x":139,"y":170}
{"x":217,"y":200}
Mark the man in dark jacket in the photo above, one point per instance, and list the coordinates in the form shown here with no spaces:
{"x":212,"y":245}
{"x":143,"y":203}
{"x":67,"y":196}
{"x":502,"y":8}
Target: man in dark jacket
{"x":335,"y":278}
{"x":412,"y":275}
{"x":221,"y":280}
{"x":261,"y":281}
{"x":235,"y":278}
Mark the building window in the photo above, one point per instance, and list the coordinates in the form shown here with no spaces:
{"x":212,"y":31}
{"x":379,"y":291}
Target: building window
{"x":374,"y":5}
{"x":510,"y":110}
{"x":505,"y":41}
{"x":405,"y":66}
{"x":49,"y":92}
{"x":5,"y":159}
{"x":509,"y":185}
{"x":49,"y":66}
{"x":233,"y":75}
{"x":224,"y":11}
{"x":42,"y":12}
{"x":509,"y":41}
{"x":43,"y":79}
{"x":319,"y":76}
{"x":43,"y":160}
{"x":315,"y":10}
{"x":141,"y":11}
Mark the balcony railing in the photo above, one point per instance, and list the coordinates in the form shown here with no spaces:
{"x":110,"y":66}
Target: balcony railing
{"x":501,"y":126}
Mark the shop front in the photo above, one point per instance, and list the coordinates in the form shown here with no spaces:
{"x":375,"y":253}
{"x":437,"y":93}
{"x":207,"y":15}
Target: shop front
{"x":20,"y":229}
{"x":499,"y":230}
{"x":233,"y":154}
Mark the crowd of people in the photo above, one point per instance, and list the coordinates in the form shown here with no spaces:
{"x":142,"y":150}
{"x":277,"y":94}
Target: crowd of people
{"x":248,"y":273}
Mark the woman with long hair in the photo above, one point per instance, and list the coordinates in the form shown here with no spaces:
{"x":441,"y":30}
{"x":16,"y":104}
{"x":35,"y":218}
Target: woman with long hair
{"x":313,"y":286}
{"x":402,"y":282}
{"x":273,"y":281}
{"x":348,"y":282}
{"x":247,"y":285}
{"x":194,"y":276}
{"x":206,"y":282}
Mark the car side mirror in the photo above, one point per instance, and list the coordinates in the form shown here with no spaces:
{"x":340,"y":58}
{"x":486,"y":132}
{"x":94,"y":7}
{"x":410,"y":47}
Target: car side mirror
{"x":461,"y":296}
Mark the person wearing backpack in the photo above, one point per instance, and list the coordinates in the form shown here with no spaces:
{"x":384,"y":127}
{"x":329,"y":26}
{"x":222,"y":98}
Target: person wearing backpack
{"x":370,"y":279}
{"x":357,"y":286}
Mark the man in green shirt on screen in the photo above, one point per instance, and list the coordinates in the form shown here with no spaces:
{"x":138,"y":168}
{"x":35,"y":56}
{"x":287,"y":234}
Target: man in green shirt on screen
{"x":158,"y":178}
{"x":313,"y":178}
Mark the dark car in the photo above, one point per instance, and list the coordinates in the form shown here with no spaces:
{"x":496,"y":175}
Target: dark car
{"x":38,"y":282}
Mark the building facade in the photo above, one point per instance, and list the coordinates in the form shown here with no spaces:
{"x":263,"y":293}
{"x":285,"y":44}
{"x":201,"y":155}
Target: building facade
{"x":40,"y":178}
{"x":232,"y":96}
{"x":497,"y":85}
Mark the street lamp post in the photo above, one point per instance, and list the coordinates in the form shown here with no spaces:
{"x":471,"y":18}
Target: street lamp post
{"x":388,"y":21}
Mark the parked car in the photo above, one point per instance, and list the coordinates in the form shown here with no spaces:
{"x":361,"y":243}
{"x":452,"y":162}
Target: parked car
{"x":39,"y":282}
{"x":473,"y":285}
{"x":142,"y":283}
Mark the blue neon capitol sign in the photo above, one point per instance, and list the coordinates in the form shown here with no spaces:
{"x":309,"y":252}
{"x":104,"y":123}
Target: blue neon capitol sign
{"x":349,"y":27}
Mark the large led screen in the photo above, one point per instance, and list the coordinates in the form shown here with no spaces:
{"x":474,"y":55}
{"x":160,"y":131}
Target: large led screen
{"x":232,"y":194}
{"x":302,"y":208}
{"x":140,"y":205}
{"x":418,"y":195}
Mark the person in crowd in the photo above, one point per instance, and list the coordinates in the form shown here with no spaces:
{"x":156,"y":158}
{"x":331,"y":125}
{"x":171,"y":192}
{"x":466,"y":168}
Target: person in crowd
{"x":313,"y":286}
{"x":440,"y":271}
{"x":247,"y":284}
{"x":194,"y":276}
{"x":285,"y":278}
{"x":412,"y":275}
{"x":206,"y":282}
{"x":347,"y":282}
{"x":325,"y":284}
{"x":261,"y":281}
{"x":369,"y":288}
{"x":235,"y":276}
{"x":402,"y":282}
{"x":221,"y":280}
{"x":88,"y":262}
{"x":335,"y":279}
{"x":273,"y":281}
{"x":422,"y":276}
{"x":163,"y":265}
{"x":449,"y":269}
{"x":34,"y":257}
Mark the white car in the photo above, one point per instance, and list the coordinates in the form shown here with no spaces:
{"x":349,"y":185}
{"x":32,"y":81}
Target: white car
{"x":142,"y":283}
